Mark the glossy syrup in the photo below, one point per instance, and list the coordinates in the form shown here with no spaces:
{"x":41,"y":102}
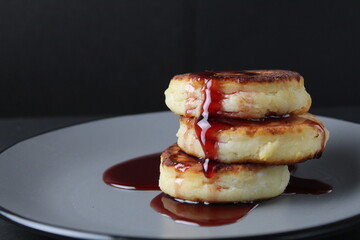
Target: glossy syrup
{"x":200,"y":214}
{"x":205,"y":131}
{"x":142,"y":173}
{"x":299,"y":185}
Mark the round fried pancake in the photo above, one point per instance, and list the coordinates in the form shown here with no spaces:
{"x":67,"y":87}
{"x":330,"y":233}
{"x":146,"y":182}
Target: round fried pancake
{"x":286,"y":140}
{"x":241,"y":94}
{"x":182,"y":177}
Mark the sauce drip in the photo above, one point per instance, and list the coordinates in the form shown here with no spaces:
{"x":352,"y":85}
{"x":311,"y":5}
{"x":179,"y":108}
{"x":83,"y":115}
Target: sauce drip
{"x":205,"y":131}
{"x":209,"y":167}
{"x":211,"y":106}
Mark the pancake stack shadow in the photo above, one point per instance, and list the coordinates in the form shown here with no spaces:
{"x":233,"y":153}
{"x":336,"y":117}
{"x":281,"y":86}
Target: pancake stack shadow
{"x":239,"y":131}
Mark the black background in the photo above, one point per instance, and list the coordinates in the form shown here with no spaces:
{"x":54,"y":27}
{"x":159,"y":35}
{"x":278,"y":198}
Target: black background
{"x":117,"y":57}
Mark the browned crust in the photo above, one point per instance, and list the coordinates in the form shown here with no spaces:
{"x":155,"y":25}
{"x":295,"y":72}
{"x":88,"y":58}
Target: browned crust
{"x":273,"y":125}
{"x":173,"y":156}
{"x":274,"y":162}
{"x":243,"y":76}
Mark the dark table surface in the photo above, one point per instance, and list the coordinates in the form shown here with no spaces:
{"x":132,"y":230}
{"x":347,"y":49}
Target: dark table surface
{"x":16,"y":129}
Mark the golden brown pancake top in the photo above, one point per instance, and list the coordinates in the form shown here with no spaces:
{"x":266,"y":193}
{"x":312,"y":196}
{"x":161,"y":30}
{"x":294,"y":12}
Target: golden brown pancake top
{"x":181,"y":161}
{"x":243,"y":76}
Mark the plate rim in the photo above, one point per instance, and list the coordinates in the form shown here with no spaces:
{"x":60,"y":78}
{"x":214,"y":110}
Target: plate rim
{"x":55,"y":230}
{"x":60,"y":231}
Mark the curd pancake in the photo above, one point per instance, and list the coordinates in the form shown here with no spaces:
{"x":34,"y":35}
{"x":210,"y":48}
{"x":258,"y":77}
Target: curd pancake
{"x":238,"y":94}
{"x":182,"y":177}
{"x":275,"y":140}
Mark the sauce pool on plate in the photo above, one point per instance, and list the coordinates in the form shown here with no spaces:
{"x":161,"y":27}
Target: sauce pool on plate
{"x":142,"y":173}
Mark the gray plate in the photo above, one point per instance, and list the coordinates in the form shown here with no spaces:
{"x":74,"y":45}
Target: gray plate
{"x":53,"y":183}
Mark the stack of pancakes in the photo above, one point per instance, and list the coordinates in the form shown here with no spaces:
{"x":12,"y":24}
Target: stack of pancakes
{"x":239,"y":131}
